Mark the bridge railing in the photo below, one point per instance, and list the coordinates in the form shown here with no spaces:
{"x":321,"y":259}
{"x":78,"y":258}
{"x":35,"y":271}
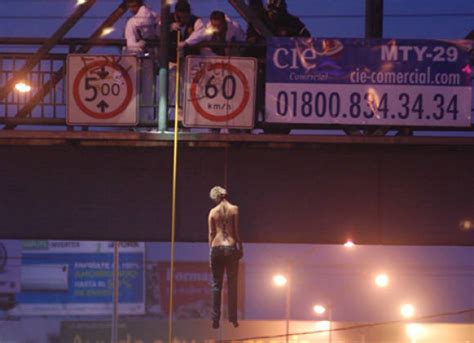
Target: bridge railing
{"x":52,"y":108}
{"x":19,"y":109}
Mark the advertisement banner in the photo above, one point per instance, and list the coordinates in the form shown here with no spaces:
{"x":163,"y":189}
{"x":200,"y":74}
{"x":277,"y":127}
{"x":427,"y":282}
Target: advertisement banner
{"x":75,"y":278}
{"x":192,"y":290}
{"x":368,"y":82}
{"x":10,"y":263}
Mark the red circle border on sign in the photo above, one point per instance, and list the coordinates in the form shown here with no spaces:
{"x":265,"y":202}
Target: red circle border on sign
{"x":124,"y":103}
{"x":231,"y":115}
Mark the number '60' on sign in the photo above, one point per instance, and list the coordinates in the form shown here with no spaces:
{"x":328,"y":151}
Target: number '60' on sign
{"x":220,"y":92}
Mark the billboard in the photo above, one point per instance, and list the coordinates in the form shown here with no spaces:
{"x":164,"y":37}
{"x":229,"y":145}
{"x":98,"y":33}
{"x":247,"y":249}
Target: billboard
{"x":192,"y":290}
{"x":10,"y":262}
{"x":369,"y":82}
{"x":75,"y":278}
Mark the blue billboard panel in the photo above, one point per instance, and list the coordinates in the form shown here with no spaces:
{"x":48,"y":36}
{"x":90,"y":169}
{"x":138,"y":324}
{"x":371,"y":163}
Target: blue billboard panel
{"x":10,"y":260}
{"x":74,"y":278}
{"x":369,"y":82}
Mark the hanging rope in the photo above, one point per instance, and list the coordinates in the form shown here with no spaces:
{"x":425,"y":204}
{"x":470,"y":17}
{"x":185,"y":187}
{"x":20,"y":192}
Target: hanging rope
{"x":173,"y":205}
{"x":226,"y":164}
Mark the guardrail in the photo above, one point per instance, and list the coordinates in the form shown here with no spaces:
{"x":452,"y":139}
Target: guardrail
{"x":52,"y":109}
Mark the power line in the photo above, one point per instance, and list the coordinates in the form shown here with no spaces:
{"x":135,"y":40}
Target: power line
{"x":354,"y":327}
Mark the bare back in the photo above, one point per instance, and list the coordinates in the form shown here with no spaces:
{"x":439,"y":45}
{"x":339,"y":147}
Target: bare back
{"x":224,"y":225}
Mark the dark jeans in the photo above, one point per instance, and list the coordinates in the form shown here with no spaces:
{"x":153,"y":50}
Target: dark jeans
{"x":224,"y":258}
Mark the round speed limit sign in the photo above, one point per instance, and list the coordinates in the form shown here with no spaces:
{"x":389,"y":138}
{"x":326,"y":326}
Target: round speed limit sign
{"x":102,"y":90}
{"x":220,"y":92}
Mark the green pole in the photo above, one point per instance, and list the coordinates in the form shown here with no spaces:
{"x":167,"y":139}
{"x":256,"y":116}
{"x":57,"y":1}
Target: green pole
{"x":164,"y":49}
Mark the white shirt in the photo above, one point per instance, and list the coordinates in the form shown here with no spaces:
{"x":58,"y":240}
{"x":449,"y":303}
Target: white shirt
{"x":142,"y":26}
{"x":198,"y":25}
{"x":234,"y":33}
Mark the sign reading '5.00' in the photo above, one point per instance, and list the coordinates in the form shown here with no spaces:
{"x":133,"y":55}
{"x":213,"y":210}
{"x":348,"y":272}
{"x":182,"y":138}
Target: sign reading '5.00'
{"x":102,"y":90}
{"x":220,"y":92}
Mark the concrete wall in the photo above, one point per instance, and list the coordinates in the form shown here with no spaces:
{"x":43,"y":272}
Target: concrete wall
{"x":390,"y":194}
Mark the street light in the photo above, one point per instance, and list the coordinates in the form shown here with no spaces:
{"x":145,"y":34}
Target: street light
{"x":466,"y":225}
{"x":107,"y":31}
{"x":320,"y":310}
{"x":349,"y":244}
{"x":407,"y":310}
{"x":414,"y":331}
{"x":23,"y":87}
{"x":281,"y":280}
{"x":382,"y":280}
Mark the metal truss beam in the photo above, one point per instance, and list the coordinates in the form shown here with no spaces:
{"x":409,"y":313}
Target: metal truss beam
{"x":46,"y":47}
{"x":250,"y":17}
{"x":58,"y":75}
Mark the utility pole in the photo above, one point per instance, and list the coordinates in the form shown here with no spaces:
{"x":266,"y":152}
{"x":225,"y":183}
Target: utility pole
{"x":374,"y":18}
{"x":164,"y":59}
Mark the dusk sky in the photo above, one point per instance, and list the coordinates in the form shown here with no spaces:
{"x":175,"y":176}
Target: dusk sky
{"x":325,"y":18}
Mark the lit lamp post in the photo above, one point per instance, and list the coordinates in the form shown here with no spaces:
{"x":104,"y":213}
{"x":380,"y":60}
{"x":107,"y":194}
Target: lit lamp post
{"x":407,"y":311}
{"x":281,"y":281}
{"x":349,"y":244}
{"x":382,"y":280}
{"x":321,"y":310}
{"x":414,"y":331}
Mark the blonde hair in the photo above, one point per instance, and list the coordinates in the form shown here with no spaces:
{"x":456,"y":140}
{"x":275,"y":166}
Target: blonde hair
{"x":217,"y":193}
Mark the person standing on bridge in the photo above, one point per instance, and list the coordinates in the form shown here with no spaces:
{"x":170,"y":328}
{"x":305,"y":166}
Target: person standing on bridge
{"x":184,"y":21}
{"x":283,"y":23}
{"x":220,"y":30}
{"x":225,"y":251}
{"x":142,"y":26}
